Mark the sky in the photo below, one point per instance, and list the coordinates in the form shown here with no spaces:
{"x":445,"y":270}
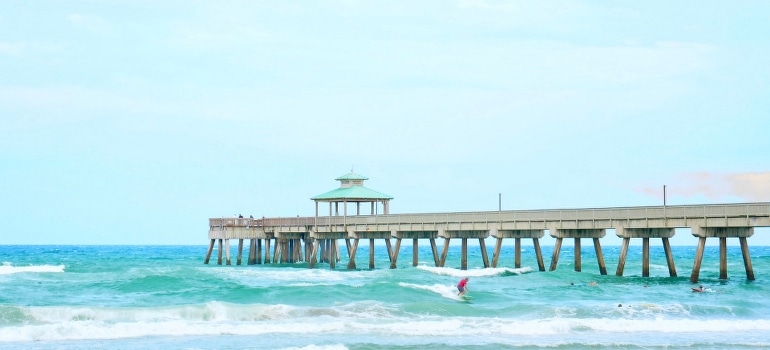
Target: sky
{"x":133,"y":122}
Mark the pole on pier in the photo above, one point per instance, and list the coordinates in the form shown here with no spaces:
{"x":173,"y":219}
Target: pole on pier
{"x":390,"y":249}
{"x":464,"y":255}
{"x":415,"y":252}
{"x":746,"y":258}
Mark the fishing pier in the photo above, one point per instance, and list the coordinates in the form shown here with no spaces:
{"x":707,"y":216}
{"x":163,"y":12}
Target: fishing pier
{"x":315,"y":239}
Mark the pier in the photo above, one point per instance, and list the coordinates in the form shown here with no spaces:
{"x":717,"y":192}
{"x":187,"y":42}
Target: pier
{"x":716,"y":221}
{"x":320,"y":234}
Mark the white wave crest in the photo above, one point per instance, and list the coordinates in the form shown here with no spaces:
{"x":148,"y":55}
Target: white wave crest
{"x":446,"y":291}
{"x":7,"y":268}
{"x":217,"y":318}
{"x":320,"y":347}
{"x":485,"y":272}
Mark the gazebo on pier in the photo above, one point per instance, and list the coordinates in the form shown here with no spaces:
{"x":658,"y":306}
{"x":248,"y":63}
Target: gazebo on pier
{"x":351,"y":190}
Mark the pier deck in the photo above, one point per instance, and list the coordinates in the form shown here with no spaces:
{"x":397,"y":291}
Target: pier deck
{"x":708,"y":220}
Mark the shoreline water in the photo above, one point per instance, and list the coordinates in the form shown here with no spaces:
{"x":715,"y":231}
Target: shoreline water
{"x":131,"y":297}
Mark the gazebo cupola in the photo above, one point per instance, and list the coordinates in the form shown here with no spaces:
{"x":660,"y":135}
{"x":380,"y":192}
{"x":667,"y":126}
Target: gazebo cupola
{"x":352,"y":190}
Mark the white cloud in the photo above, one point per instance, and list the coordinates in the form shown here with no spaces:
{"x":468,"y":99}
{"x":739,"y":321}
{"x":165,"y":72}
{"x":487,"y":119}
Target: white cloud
{"x":751,"y":187}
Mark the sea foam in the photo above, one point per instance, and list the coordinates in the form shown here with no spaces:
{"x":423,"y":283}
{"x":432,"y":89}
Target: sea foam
{"x":7,"y":268}
{"x":486,"y":272}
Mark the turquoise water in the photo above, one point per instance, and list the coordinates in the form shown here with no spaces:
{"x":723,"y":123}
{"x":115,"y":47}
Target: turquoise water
{"x":139,"y":297}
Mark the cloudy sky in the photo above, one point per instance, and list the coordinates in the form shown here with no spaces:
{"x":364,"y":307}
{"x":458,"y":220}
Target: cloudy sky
{"x":133,"y":122}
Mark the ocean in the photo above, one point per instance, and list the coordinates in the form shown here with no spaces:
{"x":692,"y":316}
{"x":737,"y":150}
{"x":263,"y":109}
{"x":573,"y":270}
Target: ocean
{"x":164,"y":297}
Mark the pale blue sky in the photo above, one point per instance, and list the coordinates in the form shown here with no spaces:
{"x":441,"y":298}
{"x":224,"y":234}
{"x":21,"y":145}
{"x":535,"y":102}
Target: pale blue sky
{"x":133,"y":122}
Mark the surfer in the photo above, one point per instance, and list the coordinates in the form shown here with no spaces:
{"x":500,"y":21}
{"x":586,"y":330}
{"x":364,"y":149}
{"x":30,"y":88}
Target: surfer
{"x":698,"y":290}
{"x":461,"y":286}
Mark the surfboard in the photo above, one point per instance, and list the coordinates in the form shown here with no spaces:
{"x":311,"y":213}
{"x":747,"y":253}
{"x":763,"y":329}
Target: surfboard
{"x":466,"y":297}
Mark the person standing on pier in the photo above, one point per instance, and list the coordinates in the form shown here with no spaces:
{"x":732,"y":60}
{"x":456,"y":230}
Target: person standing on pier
{"x":461,"y":286}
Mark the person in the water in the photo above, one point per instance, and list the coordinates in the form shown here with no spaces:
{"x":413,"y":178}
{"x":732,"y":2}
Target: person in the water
{"x":462,"y":286}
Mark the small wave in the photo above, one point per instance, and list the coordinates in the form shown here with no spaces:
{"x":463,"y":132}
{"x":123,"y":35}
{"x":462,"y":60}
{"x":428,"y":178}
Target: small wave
{"x":446,"y":291}
{"x":7,"y":268}
{"x":319,"y":347}
{"x":485,"y":272}
{"x":366,"y":319}
{"x":297,"y":277}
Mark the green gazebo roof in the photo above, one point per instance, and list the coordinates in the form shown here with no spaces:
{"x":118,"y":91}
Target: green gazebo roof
{"x":352,"y":190}
{"x":352,"y":193}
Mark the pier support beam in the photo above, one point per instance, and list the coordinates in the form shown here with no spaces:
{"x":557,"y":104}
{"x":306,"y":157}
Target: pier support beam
{"x":722,"y":233}
{"x":444,"y":252}
{"x":325,"y":244}
{"x":267,"y":250}
{"x":227,"y":252}
{"x":252,"y":252}
{"x":240,"y":252}
{"x":353,"y":249}
{"x":435,"y":252}
{"x":371,"y":236}
{"x":577,"y":234}
{"x":746,"y":258}
{"x":555,"y":256}
{"x":258,"y":251}
{"x":599,"y":256}
{"x":645,"y":233}
{"x":483,"y":247}
{"x":517,"y":235}
{"x":208,"y":253}
{"x":464,"y":235}
{"x":394,"y":258}
{"x":371,"y":253}
{"x":415,"y":236}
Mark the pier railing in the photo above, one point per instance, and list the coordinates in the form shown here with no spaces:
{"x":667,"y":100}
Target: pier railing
{"x":740,"y":214}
